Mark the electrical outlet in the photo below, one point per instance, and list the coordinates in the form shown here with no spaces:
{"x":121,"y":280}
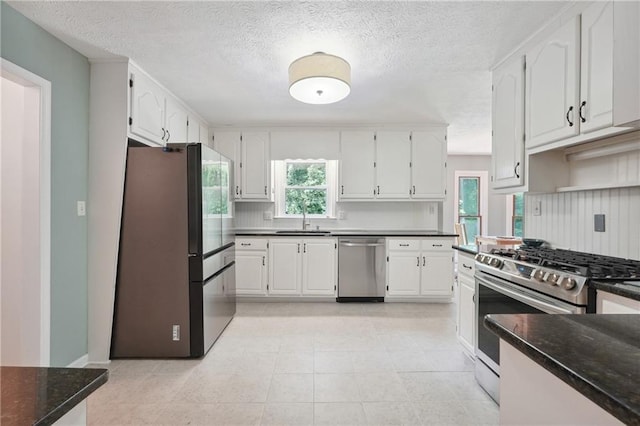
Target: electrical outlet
{"x":342,"y":214}
{"x":82,"y":208}
{"x":267,"y":215}
{"x":537,"y":208}
{"x":598,"y":223}
{"x":176,"y":333}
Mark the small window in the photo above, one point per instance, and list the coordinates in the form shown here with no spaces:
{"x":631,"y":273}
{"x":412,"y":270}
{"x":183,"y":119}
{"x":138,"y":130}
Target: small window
{"x":469,"y":205}
{"x":215,"y":188}
{"x":517,"y":218}
{"x":305,"y":183}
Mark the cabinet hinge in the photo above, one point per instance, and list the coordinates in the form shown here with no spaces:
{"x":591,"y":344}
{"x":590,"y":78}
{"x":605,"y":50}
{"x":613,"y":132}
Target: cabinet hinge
{"x":410,"y":136}
{"x":445,"y":164}
{"x":524,"y":65}
{"x":267,"y":286}
{"x":524,"y":137}
{"x":491,"y":178}
{"x":492,"y":87}
{"x":240,"y":138}
{"x":375,"y":136}
{"x":335,"y":245}
{"x":445,"y":192}
{"x":410,"y":164}
{"x":130,"y":82}
{"x":491,"y":132}
{"x":187,"y":122}
{"x":387,"y":288}
{"x":267,"y":245}
{"x":387,"y":258}
{"x":213,"y":138}
{"x":445,"y":137}
{"x":335,"y":287}
{"x":374,"y":164}
{"x":130,"y":121}
{"x":240,"y":164}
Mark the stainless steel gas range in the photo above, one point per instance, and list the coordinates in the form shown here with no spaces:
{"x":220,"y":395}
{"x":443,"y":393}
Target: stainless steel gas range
{"x":535,"y":280}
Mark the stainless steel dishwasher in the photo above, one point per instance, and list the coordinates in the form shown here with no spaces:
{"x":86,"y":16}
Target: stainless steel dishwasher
{"x":361,"y":269}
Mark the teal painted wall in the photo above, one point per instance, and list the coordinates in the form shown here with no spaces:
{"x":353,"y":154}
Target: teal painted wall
{"x":29,"y":46}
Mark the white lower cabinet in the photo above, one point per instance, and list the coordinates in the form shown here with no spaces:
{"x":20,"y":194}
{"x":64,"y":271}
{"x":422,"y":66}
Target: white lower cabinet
{"x":466,"y":318}
{"x":609,"y":303}
{"x":419,"y":267}
{"x":302,"y":266}
{"x":251,"y":266}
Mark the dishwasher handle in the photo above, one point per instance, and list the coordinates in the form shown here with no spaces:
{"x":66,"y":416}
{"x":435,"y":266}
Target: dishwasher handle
{"x":350,"y":244}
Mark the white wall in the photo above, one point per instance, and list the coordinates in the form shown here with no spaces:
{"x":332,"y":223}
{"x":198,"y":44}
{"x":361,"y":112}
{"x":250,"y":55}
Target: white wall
{"x":567,"y":221}
{"x":20,"y":279}
{"x":372,"y":215}
{"x":496,"y":202}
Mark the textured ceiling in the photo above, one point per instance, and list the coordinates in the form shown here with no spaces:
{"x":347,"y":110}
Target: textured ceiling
{"x":412,"y":62}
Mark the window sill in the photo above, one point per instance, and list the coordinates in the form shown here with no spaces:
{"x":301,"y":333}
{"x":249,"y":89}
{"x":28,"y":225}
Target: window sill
{"x":308,"y":217}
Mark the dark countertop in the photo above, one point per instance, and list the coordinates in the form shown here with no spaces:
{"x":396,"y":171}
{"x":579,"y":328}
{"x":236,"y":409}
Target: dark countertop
{"x":632,"y":291}
{"x":40,"y":395}
{"x":468,"y":248}
{"x":350,"y":233}
{"x":598,"y":355}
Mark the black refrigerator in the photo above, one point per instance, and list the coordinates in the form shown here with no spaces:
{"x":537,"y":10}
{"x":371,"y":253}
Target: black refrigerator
{"x":175,"y":286}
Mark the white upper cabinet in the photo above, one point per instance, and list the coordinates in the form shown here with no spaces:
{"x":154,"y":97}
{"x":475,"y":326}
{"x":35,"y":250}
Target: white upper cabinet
{"x":393,"y":156}
{"x":176,"y":122}
{"x":596,"y":79}
{"x":193,"y":130}
{"x":552,"y":86}
{"x":626,"y":59}
{"x":357,"y":157}
{"x":155,"y":115}
{"x":147,"y":108}
{"x":255,"y":166}
{"x":203,"y":134}
{"x":508,"y":125}
{"x":428,"y":158}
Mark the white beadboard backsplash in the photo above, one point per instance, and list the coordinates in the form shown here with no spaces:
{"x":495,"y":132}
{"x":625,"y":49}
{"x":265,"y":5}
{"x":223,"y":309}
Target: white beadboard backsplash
{"x":369,"y":215}
{"x":567,"y":221}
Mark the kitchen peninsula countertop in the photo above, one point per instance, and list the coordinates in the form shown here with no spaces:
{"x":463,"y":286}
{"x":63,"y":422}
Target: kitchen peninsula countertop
{"x":41,"y":395}
{"x":260,"y":232}
{"x":628,"y":290}
{"x":597,"y":355}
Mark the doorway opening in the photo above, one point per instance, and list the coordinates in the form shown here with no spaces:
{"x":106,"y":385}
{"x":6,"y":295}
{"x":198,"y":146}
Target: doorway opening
{"x":25,"y":217}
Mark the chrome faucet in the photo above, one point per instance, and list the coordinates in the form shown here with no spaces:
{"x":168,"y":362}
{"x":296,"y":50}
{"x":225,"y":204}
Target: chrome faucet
{"x":304,"y":216}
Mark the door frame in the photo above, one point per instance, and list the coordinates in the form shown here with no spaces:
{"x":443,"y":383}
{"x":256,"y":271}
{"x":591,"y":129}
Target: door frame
{"x":26,"y":78}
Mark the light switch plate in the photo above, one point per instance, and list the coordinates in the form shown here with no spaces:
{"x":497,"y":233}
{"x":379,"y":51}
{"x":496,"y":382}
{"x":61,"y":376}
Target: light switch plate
{"x":82,"y":208}
{"x":267,"y":215}
{"x":537,"y":208}
{"x":598,"y":223}
{"x":342,"y":214}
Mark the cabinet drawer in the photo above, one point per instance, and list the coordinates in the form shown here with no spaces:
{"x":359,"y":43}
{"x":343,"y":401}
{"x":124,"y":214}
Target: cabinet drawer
{"x":436,"y":245}
{"x":466,"y":267}
{"x":251,"y":244}
{"x":404,"y":245}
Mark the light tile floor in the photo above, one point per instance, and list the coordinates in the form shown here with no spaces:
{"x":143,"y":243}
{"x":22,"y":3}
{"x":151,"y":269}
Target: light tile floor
{"x":308,"y":363}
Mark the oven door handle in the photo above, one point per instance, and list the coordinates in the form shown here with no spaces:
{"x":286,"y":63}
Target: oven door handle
{"x":522,"y":297}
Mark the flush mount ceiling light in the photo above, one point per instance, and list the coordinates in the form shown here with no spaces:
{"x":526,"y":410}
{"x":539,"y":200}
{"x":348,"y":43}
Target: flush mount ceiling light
{"x":319,"y":79}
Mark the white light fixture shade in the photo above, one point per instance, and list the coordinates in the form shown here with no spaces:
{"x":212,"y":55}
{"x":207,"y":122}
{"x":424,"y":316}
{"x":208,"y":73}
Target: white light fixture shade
{"x":319,"y":79}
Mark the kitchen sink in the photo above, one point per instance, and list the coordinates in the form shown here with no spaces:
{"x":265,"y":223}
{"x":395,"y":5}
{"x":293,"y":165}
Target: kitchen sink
{"x":301,"y":232}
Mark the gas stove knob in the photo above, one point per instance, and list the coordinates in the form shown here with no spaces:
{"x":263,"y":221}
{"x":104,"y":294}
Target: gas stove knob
{"x":495,"y":262}
{"x":568,"y":283}
{"x":552,"y":279}
{"x":479,"y":257}
{"x":538,"y":275}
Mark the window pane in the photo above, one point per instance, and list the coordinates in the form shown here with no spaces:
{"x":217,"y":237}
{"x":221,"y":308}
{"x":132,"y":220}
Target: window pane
{"x":472,"y":226}
{"x":518,"y":204}
{"x":315,"y":200}
{"x":306,"y":174}
{"x":518,"y":225}
{"x":469,"y":195}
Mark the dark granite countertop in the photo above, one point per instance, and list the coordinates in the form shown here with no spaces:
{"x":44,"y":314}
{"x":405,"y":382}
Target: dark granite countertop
{"x":467,"y":248}
{"x":625,"y":289}
{"x":598,"y":355}
{"x":40,"y":395}
{"x":350,"y":233}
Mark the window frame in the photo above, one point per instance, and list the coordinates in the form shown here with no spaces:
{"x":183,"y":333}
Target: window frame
{"x":511,"y":210}
{"x":280,"y":187}
{"x":483,"y":196}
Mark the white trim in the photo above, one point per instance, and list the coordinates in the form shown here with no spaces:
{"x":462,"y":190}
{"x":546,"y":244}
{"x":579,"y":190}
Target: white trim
{"x":484,"y":195}
{"x":24,"y":77}
{"x":80,"y":362}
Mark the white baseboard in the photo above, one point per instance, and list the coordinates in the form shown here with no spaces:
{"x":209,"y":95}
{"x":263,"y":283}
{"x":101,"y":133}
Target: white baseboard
{"x":80,"y":362}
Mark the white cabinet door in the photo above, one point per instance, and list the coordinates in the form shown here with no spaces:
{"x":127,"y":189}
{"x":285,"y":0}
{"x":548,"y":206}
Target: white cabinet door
{"x":255,"y":166}
{"x":193,"y":130}
{"x":437,"y":274}
{"x":552,"y":87}
{"x":596,"y":78}
{"x":609,"y":303}
{"x":403,"y":272}
{"x":204,"y":135}
{"x":228,"y":144}
{"x":284,"y":266}
{"x":508,"y":125}
{"x":393,"y":155}
{"x":251,"y":272}
{"x":175,"y":123}
{"x":466,"y":313}
{"x":147,"y":109}
{"x":428,"y":156}
{"x":357,"y":155}
{"x":319,"y":267}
